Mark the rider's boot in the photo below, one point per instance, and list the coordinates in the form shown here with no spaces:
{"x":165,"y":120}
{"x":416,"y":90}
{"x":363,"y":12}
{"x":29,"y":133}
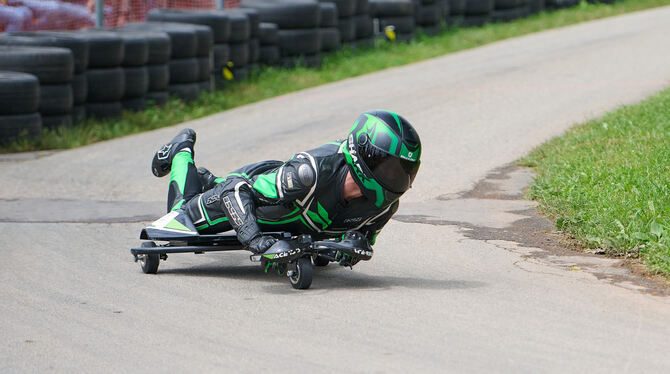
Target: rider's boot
{"x":162,"y":161}
{"x":207,"y":179}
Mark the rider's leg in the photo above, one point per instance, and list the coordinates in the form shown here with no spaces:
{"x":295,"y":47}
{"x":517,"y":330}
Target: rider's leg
{"x":206,"y":213}
{"x":184,"y":180}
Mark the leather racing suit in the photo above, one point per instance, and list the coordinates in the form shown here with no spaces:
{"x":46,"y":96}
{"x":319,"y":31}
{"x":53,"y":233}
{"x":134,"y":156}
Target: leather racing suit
{"x":303,"y":195}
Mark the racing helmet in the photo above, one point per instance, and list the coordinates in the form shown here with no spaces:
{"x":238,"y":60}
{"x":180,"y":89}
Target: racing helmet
{"x":383,"y":151}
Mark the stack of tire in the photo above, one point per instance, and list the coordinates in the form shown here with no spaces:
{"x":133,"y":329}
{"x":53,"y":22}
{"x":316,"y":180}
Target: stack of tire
{"x":329,"y":30}
{"x":299,"y":37}
{"x":105,"y":78}
{"x":428,"y":15}
{"x":60,"y":104}
{"x":457,"y":12}
{"x":136,"y":75}
{"x":238,"y":59}
{"x":478,"y":12}
{"x":555,"y":4}
{"x":220,"y":27}
{"x":508,"y":10}
{"x":188,"y":43}
{"x":346,"y":23}
{"x":268,"y":36}
{"x":395,"y":18}
{"x":254,"y":41}
{"x":19,"y":101}
{"x":365,"y":32}
{"x":159,"y":49}
{"x":535,"y":6}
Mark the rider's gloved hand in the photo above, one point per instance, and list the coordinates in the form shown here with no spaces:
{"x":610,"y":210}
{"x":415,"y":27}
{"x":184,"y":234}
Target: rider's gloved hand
{"x":261,"y":244}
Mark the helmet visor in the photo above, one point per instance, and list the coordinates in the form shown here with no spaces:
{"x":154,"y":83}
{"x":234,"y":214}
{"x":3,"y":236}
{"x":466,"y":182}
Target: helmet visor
{"x":393,"y":173}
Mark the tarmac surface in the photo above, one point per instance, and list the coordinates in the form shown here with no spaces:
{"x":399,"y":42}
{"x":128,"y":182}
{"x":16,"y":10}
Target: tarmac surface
{"x":466,"y":277}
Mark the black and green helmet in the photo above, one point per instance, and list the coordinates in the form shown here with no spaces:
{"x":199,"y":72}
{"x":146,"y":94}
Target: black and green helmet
{"x":383,"y":151}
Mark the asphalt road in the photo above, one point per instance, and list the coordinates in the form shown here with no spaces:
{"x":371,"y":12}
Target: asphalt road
{"x":437,"y":296}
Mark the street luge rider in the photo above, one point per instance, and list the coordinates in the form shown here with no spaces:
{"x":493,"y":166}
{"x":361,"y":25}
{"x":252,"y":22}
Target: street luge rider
{"x":352,"y":184}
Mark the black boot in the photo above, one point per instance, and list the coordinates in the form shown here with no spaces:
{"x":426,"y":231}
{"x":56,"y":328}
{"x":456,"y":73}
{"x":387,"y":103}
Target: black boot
{"x":207,"y":179}
{"x":162,"y":161}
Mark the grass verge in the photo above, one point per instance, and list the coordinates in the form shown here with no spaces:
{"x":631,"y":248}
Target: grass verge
{"x":344,"y":64}
{"x":607,"y":182}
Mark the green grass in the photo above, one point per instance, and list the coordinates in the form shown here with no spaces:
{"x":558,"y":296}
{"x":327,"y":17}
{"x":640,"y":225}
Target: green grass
{"x":607,"y":182}
{"x":344,"y":64}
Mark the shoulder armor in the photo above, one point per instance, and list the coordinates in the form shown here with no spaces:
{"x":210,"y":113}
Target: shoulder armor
{"x":306,"y":175}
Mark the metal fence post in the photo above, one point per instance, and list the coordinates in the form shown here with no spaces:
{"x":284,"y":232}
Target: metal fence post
{"x":219,"y":4}
{"x":99,"y":13}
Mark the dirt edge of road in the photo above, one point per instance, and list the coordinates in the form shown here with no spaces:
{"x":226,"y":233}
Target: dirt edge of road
{"x":532,"y":235}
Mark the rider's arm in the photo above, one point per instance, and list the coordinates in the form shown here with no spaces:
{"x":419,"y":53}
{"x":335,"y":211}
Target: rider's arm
{"x":241,"y":194}
{"x":372,"y":228}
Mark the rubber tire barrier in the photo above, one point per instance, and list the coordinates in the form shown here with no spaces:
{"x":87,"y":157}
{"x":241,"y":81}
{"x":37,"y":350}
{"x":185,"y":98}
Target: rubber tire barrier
{"x":78,"y":46}
{"x":508,"y":15}
{"x":299,"y":42}
{"x":330,"y":39}
{"x":391,"y":8}
{"x":105,"y":85}
{"x":19,"y":93}
{"x":183,"y":40}
{"x":205,"y":86}
{"x":347,"y":27}
{"x":289,"y":15}
{"x":79,"y":88}
{"x":218,"y":22}
{"x":536,"y":6}
{"x":476,"y":20}
{"x":183,"y":70}
{"x":239,"y":54}
{"x":78,"y":114}
{"x":12,"y":126}
{"x":478,"y":8}
{"x":157,"y":97}
{"x":267,"y":33}
{"x":136,"y":82}
{"x":507,"y":4}
{"x":55,"y":99}
{"x":135,"y":49}
{"x":102,"y":111}
{"x":134,"y":104}
{"x":220,"y":57}
{"x":345,"y":8}
{"x":457,"y":7}
{"x":551,"y":4}
{"x":57,"y":120}
{"x":328,"y":15}
{"x":428,"y":15}
{"x":240,"y":26}
{"x":50,"y":65}
{"x":254,"y":50}
{"x":270,"y":54}
{"x":431,"y":30}
{"x":158,"y":44}
{"x":105,"y":48}
{"x":403,"y":25}
{"x":204,"y":69}
{"x":186,"y":92}
{"x":240,"y":74}
{"x":362,"y":7}
{"x":364,"y":27}
{"x":159,"y":77}
{"x":254,"y":19}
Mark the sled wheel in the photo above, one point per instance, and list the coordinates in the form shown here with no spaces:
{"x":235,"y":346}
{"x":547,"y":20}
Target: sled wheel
{"x":320,"y":260}
{"x":149,"y":262}
{"x":301,"y":278}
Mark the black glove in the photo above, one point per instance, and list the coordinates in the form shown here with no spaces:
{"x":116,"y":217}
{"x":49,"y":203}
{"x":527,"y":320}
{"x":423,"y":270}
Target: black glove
{"x":261,"y":244}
